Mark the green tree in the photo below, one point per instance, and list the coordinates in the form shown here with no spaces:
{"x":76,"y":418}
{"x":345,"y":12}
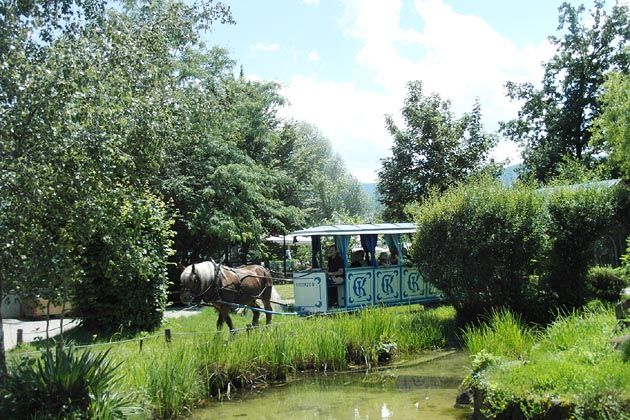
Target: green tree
{"x":554,"y":122}
{"x":611,"y":129}
{"x":436,"y":150}
{"x":325,"y":188}
{"x":28,"y":232}
{"x":221,"y":175}
{"x":86,"y":110}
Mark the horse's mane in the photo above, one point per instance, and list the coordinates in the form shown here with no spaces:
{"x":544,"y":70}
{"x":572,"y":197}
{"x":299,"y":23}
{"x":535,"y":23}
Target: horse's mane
{"x":205,"y":271}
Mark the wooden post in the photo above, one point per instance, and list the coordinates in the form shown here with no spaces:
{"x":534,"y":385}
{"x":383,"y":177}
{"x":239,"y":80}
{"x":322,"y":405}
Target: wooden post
{"x":20,"y":336}
{"x":167,"y":334}
{"x":141,"y":344}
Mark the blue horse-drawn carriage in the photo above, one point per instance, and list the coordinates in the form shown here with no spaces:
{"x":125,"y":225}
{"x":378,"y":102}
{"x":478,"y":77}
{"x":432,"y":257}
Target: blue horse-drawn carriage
{"x":372,"y":282}
{"x":368,"y":284}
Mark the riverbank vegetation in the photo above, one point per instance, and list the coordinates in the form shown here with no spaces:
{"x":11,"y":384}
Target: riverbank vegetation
{"x":569,"y":369}
{"x":167,"y":379}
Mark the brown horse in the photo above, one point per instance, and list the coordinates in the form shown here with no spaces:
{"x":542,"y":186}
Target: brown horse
{"x":216,"y":284}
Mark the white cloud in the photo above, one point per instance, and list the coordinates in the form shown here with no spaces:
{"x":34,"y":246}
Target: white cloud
{"x":313,"y":56}
{"x":461,"y":57}
{"x":262,"y":46}
{"x":311,"y":2}
{"x":351,"y":118}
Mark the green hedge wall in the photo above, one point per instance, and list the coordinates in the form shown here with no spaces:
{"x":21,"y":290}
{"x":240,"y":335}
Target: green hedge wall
{"x":488,"y":246}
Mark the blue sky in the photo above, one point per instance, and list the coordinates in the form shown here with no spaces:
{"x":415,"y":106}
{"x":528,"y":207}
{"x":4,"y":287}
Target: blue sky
{"x":344,"y":64}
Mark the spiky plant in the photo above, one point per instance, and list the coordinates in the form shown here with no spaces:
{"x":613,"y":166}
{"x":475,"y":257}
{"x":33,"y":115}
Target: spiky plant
{"x":68,"y":385}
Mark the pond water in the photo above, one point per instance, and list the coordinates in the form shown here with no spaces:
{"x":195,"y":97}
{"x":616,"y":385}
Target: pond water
{"x":423,"y":388}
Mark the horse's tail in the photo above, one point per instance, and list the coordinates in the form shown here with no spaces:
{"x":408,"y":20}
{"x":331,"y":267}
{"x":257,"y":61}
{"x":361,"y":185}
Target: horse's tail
{"x":268,"y":276}
{"x":276,"y":301}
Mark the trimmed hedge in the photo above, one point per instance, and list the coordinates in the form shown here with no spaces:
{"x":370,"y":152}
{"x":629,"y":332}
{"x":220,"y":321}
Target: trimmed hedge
{"x":487,"y":246}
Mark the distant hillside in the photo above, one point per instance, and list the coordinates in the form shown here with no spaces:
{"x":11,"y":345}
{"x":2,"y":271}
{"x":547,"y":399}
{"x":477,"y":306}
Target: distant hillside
{"x":509,"y":174}
{"x":370,"y":189}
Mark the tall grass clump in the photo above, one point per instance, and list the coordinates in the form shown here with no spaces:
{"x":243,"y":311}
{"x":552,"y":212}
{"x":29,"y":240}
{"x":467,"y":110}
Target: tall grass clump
{"x":588,"y":328}
{"x":171,"y":379}
{"x":503,"y":334}
{"x":66,"y":385}
{"x":430,"y":329}
{"x":371,"y":335}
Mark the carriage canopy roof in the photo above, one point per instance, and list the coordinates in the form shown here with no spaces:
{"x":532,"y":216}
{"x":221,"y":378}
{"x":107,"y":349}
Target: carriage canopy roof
{"x":360,"y":229}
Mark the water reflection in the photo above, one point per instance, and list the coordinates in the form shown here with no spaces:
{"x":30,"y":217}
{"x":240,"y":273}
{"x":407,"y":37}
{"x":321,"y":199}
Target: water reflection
{"x":417,"y":389}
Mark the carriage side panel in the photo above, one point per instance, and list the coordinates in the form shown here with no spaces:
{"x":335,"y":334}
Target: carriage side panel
{"x":359,"y":287}
{"x":310,"y":291}
{"x":387,"y":285}
{"x":415,"y":289}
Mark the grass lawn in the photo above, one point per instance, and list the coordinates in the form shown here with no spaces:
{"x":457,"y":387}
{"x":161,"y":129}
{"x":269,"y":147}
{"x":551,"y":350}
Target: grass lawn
{"x":285,"y":290}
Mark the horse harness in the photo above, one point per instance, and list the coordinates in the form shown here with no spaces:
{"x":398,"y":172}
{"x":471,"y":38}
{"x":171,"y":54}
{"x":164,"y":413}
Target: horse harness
{"x":218,"y":287}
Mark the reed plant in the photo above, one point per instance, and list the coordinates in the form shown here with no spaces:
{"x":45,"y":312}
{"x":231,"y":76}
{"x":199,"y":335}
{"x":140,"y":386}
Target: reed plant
{"x":171,"y":383}
{"x":503,"y":333}
{"x":428,"y":329}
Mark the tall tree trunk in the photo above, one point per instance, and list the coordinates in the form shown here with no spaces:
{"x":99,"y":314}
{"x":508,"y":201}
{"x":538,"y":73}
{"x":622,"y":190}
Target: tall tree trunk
{"x":3,"y":361}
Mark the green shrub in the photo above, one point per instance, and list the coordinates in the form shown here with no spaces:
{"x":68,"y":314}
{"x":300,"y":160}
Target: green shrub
{"x":625,"y":261}
{"x":577,"y":217}
{"x":605,"y":283}
{"x":488,"y":246}
{"x":67,"y":386}
{"x":480,"y":245}
{"x":125,"y":282}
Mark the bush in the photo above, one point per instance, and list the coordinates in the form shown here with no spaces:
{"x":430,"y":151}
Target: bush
{"x":68,"y":386}
{"x":577,"y":217}
{"x":605,"y":283}
{"x":480,"y":245}
{"x":125,"y":282}
{"x":487,"y":246}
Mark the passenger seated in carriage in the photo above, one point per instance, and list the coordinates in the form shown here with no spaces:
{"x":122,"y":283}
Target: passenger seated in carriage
{"x":393,"y":260}
{"x":335,"y":273}
{"x":335,"y":265}
{"x":383,"y":260}
{"x":357,"y":259}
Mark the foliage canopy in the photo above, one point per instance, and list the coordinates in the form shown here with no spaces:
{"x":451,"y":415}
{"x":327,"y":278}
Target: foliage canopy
{"x":555,"y":121}
{"x":434,"y":151}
